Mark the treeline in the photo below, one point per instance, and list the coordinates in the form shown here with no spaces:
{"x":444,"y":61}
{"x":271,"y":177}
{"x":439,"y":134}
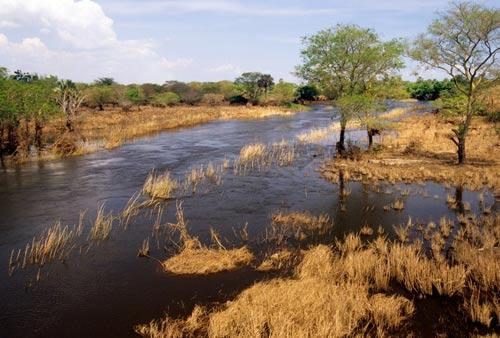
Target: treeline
{"x":249,"y":88}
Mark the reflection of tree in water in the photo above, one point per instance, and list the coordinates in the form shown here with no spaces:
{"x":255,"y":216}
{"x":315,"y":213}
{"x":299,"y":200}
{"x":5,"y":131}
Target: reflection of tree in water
{"x":459,"y":204}
{"x":342,"y":192}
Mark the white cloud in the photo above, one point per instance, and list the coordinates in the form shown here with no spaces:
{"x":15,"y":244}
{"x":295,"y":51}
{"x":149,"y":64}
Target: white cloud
{"x":83,"y":23}
{"x":90,"y":49}
{"x":8,"y":24}
{"x":227,"y":68}
{"x":126,"y":63}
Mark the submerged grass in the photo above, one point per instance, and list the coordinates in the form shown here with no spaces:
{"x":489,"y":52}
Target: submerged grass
{"x":160,"y":186}
{"x":195,"y":258}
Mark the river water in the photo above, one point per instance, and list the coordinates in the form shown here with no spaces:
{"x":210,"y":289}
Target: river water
{"x":105,"y":289}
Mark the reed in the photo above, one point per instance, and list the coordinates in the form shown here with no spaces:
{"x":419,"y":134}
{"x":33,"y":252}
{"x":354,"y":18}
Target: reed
{"x":102,"y":226}
{"x":160,"y":186}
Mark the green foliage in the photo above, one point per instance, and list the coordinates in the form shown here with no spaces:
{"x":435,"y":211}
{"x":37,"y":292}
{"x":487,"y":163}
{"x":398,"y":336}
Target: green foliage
{"x":238,"y":100}
{"x":134,"y":94}
{"x":307,"y":93}
{"x":429,"y":89}
{"x":105,"y":81}
{"x":188,"y":94}
{"x":253,"y":84}
{"x":389,"y":88}
{"x":356,"y":106}
{"x":347,"y":59}
{"x":167,"y":99}
{"x":282,"y":93}
{"x":3,"y":73}
{"x":99,"y":96}
{"x":24,"y":76}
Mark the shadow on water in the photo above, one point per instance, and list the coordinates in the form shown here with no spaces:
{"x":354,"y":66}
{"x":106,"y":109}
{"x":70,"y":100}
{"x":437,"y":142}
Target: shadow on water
{"x":106,"y":291}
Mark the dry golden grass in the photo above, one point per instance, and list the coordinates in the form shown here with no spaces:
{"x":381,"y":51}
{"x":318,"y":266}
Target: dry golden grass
{"x":103,"y":224}
{"x":197,"y":259}
{"x":201,"y":261}
{"x":281,"y":259}
{"x":55,"y":243}
{"x":258,"y":156}
{"x":346,"y":290}
{"x":160,"y":186}
{"x":421,"y":150}
{"x":314,"y":303}
{"x":298,"y":225}
{"x":110,"y":128}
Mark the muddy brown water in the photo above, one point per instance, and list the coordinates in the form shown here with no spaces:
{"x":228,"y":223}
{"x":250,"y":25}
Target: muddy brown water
{"x":106,"y":290}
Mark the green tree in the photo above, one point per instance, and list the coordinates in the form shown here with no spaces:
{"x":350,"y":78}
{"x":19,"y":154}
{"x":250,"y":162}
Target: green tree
{"x":134,"y":94}
{"x":361,"y":107}
{"x":347,"y":60}
{"x":463,"y":41}
{"x":253,"y":84}
{"x":98,"y":96}
{"x":167,"y":99}
{"x":283,"y":93}
{"x":104,"y":81}
{"x":307,"y":93}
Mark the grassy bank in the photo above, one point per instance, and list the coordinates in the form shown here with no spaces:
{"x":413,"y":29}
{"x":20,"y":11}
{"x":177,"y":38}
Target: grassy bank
{"x":419,"y":149}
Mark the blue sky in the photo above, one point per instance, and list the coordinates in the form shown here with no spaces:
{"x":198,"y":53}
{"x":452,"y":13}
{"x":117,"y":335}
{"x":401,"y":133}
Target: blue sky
{"x":187,"y":40}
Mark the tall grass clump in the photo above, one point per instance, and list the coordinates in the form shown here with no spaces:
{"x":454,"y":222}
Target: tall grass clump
{"x":55,"y":243}
{"x":194,"y":258}
{"x":160,"y":186}
{"x":102,"y":226}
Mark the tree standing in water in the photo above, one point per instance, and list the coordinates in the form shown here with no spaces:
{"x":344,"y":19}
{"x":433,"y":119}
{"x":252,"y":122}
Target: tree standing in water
{"x":346,"y":61}
{"x":463,"y":42}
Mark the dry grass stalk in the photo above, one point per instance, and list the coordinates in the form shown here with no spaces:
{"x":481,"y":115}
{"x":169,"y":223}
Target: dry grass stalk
{"x":298,"y":225}
{"x":366,"y":230}
{"x":281,"y":259}
{"x":102,"y":226}
{"x":160,"y":186}
{"x":131,"y":209}
{"x":398,"y":205}
{"x":258,"y":156}
{"x":55,"y":243}
{"x":144,"y":249}
{"x":194,"y":258}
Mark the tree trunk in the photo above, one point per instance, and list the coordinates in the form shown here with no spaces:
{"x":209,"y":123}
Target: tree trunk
{"x":12,"y":139}
{"x":459,"y":190}
{"x":341,"y":142}
{"x":370,"y":137}
{"x":462,"y":132}
{"x":38,"y":136}
{"x":69,"y":124}
{"x":461,"y":150}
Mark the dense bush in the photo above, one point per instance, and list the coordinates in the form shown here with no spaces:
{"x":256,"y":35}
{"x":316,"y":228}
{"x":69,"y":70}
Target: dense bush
{"x":282,"y":93}
{"x":167,"y":99}
{"x":238,"y":99}
{"x":307,"y":93}
{"x":213,"y":99}
{"x":429,"y":89}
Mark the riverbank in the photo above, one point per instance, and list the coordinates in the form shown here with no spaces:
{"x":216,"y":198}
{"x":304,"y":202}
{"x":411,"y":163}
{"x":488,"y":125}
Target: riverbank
{"x":419,"y":149}
{"x":110,"y":128}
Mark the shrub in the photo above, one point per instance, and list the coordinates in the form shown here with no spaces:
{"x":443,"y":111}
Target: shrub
{"x":167,"y":99}
{"x":306,"y":93}
{"x":238,"y":99}
{"x":213,"y":99}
